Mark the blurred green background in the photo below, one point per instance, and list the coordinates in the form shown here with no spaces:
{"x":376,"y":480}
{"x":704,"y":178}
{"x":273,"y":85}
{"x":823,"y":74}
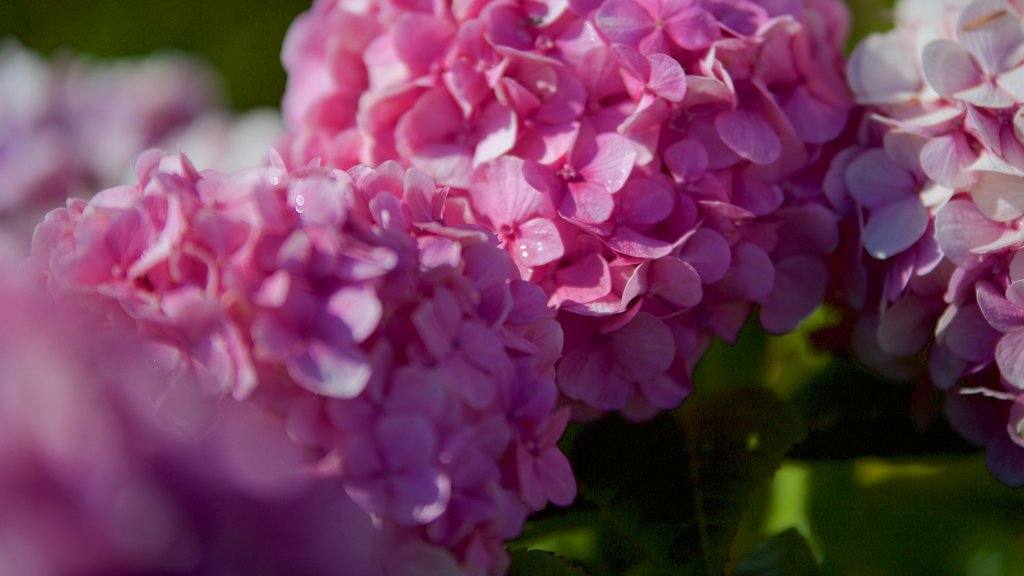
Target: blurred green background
{"x":869,"y":494}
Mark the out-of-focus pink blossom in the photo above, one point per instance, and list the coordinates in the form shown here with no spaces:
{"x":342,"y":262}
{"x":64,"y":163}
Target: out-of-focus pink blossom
{"x":405,"y":355}
{"x":936,"y":184}
{"x":648,"y":164}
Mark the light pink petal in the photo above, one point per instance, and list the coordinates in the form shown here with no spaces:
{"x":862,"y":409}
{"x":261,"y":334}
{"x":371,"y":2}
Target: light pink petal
{"x":894,"y":228}
{"x":447,"y":164}
{"x":606,"y":160}
{"x":496,"y":133}
{"x":1001,"y":314}
{"x":643,"y":349}
{"x":693,"y":29}
{"x":708,"y":253}
{"x":499,"y":192}
{"x":628,"y":241}
{"x":624,"y":22}
{"x":960,"y":229}
{"x":538,"y":243}
{"x":945,"y":160}
{"x":749,"y":135}
{"x":799,"y":287}
{"x":633,"y":61}
{"x":675,"y":282}
{"x":999,"y":196}
{"x":420,"y":39}
{"x":949,"y":68}
{"x":1010,"y":358}
{"x":584,"y":281}
{"x":418,"y":496}
{"x":587,"y":202}
{"x":358,"y":308}
{"x":986,"y":95}
{"x":883,"y":68}
{"x":991,"y":30}
{"x":874,"y":179}
{"x":650,"y":113}
{"x":330,"y":371}
{"x":667,"y":78}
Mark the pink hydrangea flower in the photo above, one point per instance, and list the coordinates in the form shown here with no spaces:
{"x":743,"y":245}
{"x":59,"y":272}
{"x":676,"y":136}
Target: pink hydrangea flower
{"x":72,"y":126}
{"x":935,"y":181}
{"x":406,"y":355}
{"x":645,"y":163}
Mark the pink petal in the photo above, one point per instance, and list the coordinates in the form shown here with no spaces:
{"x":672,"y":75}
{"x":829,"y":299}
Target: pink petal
{"x":667,"y":78}
{"x":749,"y":135}
{"x":632,"y":60}
{"x":555,"y":474}
{"x":687,"y":159}
{"x":970,"y":336}
{"x":664,"y":391}
{"x":499,"y":193}
{"x":946,"y":159}
{"x":1001,"y":314}
{"x":330,"y":371}
{"x":815,"y":122}
{"x":896,"y":227}
{"x":588,"y":375}
{"x":358,"y":308}
{"x":999,"y":196}
{"x":675,"y":282}
{"x":645,"y":202}
{"x":708,"y":253}
{"x":949,"y":68}
{"x":587,"y":202}
{"x":537,"y":243}
{"x":624,"y":22}
{"x":496,"y":133}
{"x":583,"y":281}
{"x":961,"y":229}
{"x":991,"y":31}
{"x":606,"y":160}
{"x":628,"y":241}
{"x":420,"y":39}
{"x":1010,"y":358}
{"x":406,"y":441}
{"x":883,"y":68}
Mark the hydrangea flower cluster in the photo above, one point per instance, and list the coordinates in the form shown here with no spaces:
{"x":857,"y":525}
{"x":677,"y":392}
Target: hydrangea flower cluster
{"x":73,"y":126}
{"x":406,"y":355}
{"x":655,"y":166}
{"x":936,"y":180}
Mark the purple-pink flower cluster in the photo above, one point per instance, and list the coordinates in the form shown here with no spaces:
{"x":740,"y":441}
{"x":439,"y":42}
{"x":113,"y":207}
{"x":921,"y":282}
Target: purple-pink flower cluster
{"x":654,"y":166}
{"x":936,"y":181}
{"x":404,"y":354}
{"x":72,"y":126}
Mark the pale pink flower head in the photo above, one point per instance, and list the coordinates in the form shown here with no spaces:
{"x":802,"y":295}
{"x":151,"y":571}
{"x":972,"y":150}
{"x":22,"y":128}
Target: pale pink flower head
{"x":646,"y":163}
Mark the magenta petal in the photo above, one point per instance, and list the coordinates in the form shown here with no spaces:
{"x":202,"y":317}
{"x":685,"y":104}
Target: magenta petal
{"x":949,"y":68}
{"x":664,"y":391}
{"x":1010,"y":358}
{"x":675,"y":282}
{"x":538,"y":243}
{"x":687,"y":159}
{"x":709,"y":254}
{"x":587,"y":375}
{"x":1002,"y":314}
{"x":644,"y":202}
{"x":627,"y":241}
{"x":420,"y":39}
{"x":693,"y":29}
{"x":970,"y":335}
{"x":667,"y":78}
{"x":555,"y":474}
{"x":749,"y":135}
{"x":481,"y":347}
{"x":587,"y":202}
{"x":800,"y":284}
{"x":644,"y":348}
{"x":406,"y":441}
{"x":896,"y":227}
{"x":632,"y":60}
{"x":815,"y":122}
{"x":624,"y":22}
{"x":419,"y":496}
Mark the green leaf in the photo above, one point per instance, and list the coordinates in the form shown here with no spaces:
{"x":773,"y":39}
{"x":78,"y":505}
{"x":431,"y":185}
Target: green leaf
{"x":540,"y":563}
{"x":785,"y":554}
{"x":672,"y":492}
